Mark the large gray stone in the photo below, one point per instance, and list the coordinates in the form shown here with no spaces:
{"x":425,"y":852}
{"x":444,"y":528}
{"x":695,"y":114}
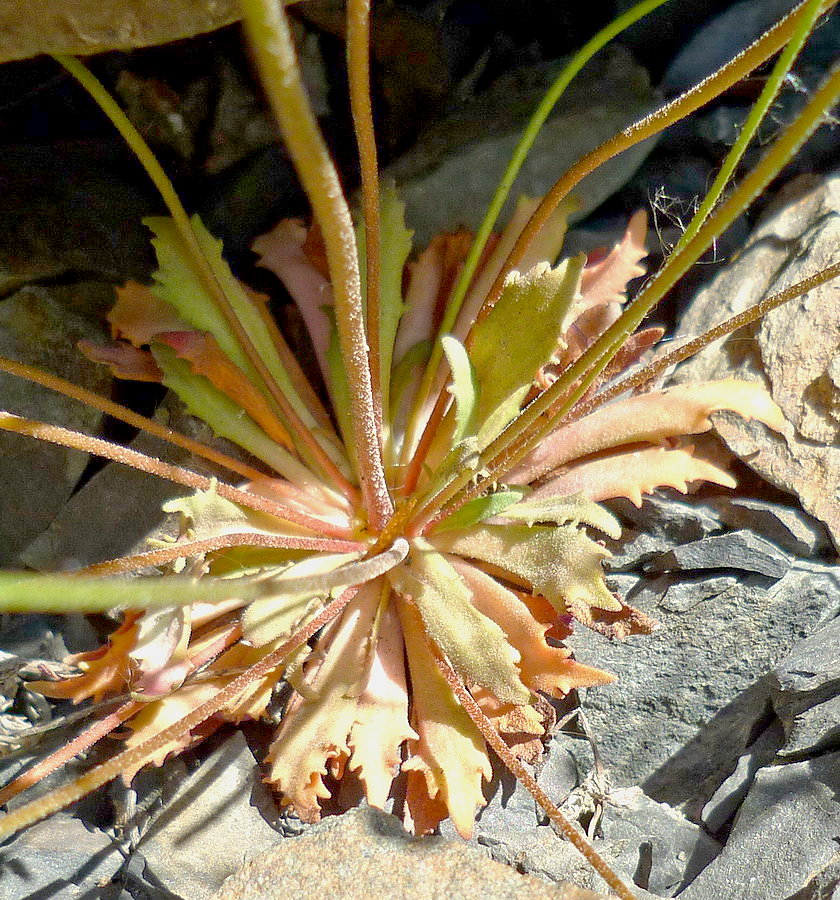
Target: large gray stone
{"x":693,"y":695}
{"x":785,"y":830}
{"x":36,"y":478}
{"x":366,"y":853}
{"x":471,"y":147}
{"x":794,"y":350}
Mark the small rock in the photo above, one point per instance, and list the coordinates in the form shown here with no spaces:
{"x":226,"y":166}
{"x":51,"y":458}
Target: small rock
{"x":742,"y":550}
{"x":786,"y":829}
{"x":806,"y":693}
{"x":58,"y":859}
{"x":665,"y":515}
{"x":212,"y":825}
{"x":788,"y":527}
{"x":728,"y":797}
{"x":366,"y":853}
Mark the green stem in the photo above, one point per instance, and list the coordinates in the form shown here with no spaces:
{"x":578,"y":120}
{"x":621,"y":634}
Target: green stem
{"x":526,"y":141}
{"x":200,"y":265}
{"x":270,"y":37}
{"x":759,"y":109}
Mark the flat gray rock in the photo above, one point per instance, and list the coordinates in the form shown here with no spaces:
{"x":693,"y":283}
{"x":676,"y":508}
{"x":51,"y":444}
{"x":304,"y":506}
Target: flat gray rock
{"x":692,"y":696}
{"x":366,"y":853}
{"x":212,"y":825}
{"x":785,"y":831}
{"x":806,"y":693}
{"x":58,"y":859}
{"x":741,"y":550}
{"x":789,"y":528}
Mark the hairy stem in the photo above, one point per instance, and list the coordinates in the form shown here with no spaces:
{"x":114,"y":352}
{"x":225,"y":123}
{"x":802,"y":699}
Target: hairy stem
{"x":222,"y":542}
{"x":736,"y":69}
{"x":358,"y":71}
{"x":116,"y":411}
{"x":810,"y":14}
{"x":75,"y":441}
{"x":495,"y":740}
{"x":270,"y":37}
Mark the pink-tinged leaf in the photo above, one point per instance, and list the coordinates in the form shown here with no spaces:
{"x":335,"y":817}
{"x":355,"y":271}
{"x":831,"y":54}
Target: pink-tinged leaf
{"x":430,"y":281}
{"x":282,"y":251}
{"x":448,"y":761}
{"x":159,"y":660}
{"x":313,"y":737}
{"x":542,"y":667}
{"x":206,"y":358}
{"x":634,"y":473}
{"x":605,"y":281}
{"x":381,"y":726}
{"x":123,"y":360}
{"x":648,"y":418}
{"x":138,"y":315}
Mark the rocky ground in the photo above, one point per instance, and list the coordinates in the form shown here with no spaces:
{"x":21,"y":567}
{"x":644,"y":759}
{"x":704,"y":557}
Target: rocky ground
{"x":711,"y":768}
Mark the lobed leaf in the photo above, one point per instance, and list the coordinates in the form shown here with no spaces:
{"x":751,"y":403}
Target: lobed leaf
{"x":560,"y":562}
{"x":474,"y":644}
{"x":519,"y":335}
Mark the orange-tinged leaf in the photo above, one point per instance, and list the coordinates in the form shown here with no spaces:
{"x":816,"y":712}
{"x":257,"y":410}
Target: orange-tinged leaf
{"x":634,"y":473}
{"x":206,"y":358}
{"x":449,"y":754}
{"x":543,"y":668}
{"x":162,"y":713}
{"x":138,"y":315}
{"x":381,"y":727}
{"x":651,"y":418}
{"x":315,"y":731}
{"x":106,"y":670}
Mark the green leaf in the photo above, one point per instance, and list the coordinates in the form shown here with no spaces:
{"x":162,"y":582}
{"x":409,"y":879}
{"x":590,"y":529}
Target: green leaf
{"x":519,"y":336}
{"x":560,"y":562}
{"x":464,"y":387}
{"x":475,"y":645}
{"x":413,"y":359}
{"x":574,"y":509}
{"x":481,"y":508}
{"x":395,"y":244}
{"x":224,"y":416}
{"x":177,"y":283}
